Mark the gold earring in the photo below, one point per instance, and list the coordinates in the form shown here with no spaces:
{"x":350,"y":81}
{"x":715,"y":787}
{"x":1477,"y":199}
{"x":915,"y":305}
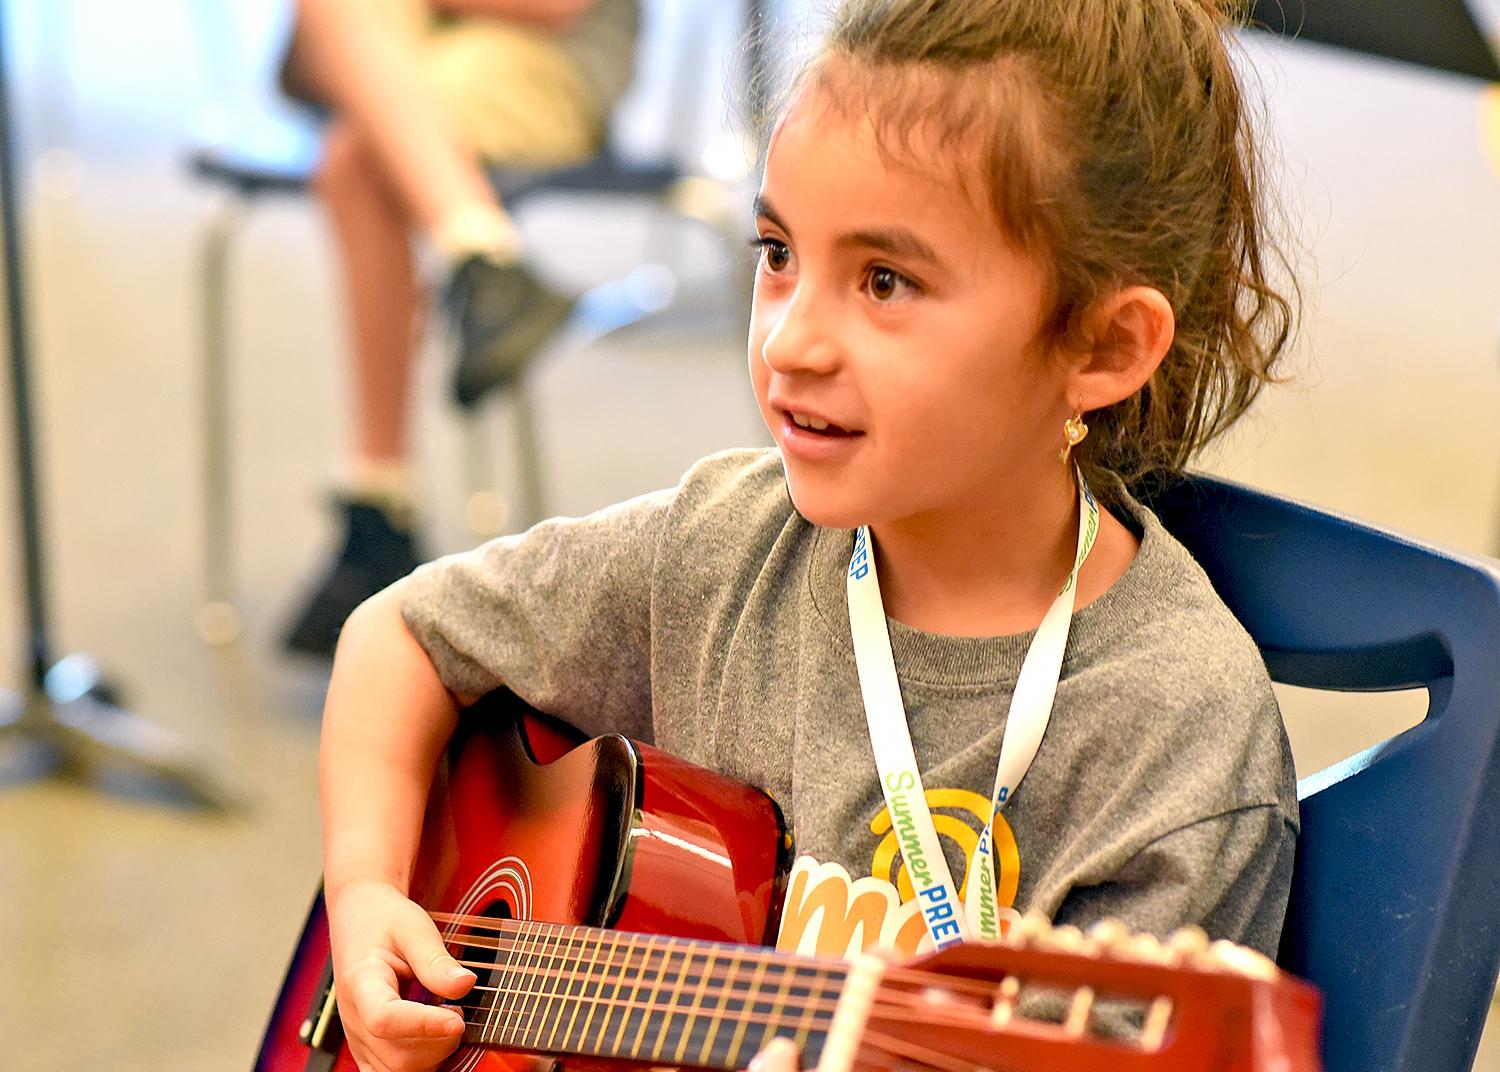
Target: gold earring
{"x":1074,"y":432}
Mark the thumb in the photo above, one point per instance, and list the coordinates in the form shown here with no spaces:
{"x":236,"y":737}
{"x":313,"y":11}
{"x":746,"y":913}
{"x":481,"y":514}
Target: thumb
{"x":778,"y":1055}
{"x":422,"y":947}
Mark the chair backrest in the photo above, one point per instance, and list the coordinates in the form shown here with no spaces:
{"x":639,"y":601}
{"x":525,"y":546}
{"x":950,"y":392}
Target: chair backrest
{"x":1395,"y":907}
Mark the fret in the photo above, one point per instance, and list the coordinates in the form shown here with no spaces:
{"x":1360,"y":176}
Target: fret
{"x":686,"y":1026}
{"x":649,"y":998}
{"x":675,"y":1017}
{"x":671,"y":1003}
{"x":815,"y":995}
{"x":652,"y":1011}
{"x":561,"y":971}
{"x":460,"y":948}
{"x":717,"y":1019}
{"x":503,"y":980}
{"x":828,"y":994}
{"x":746,"y":1004}
{"x":775,"y":1024}
{"x":520,"y":986}
{"x":599,"y":999}
{"x":510,"y":948}
{"x":636,"y":1009}
{"x":792,"y":1010}
{"x":612,"y":1005}
{"x":526,"y":985}
{"x":486,"y":983}
{"x":586,"y":978}
{"x":692,"y":1012}
{"x":629,"y":982}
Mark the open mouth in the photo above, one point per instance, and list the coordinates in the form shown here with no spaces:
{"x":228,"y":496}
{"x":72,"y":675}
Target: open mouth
{"x":818,"y":426}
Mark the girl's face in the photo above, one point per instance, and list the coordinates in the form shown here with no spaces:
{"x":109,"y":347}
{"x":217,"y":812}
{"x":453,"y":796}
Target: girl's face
{"x":891,"y":337}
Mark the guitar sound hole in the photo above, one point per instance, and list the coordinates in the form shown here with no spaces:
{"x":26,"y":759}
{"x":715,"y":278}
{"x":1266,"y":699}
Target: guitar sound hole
{"x":479,"y":949}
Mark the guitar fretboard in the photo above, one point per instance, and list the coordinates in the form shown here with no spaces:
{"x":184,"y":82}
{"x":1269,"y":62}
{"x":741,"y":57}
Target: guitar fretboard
{"x":552,"y":988}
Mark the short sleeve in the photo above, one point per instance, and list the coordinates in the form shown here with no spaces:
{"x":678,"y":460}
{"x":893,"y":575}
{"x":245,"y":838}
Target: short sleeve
{"x":1229,"y":874}
{"x":561,"y":615}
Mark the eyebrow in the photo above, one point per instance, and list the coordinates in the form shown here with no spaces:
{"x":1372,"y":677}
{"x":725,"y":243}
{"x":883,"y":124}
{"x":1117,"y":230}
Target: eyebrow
{"x":897,"y":241}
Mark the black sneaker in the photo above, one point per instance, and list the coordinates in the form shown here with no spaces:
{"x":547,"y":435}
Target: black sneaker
{"x":378,"y":551}
{"x":502,"y":314}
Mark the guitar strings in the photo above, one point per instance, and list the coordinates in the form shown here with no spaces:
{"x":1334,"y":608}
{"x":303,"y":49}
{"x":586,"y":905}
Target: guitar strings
{"x":618,"y":971}
{"x":531,"y":933}
{"x":540,"y":965}
{"x":633,"y":965}
{"x":667,"y":1015}
{"x":539,"y":953}
{"x":898,"y":1052}
{"x":891,"y":1007}
{"x":544,"y":953}
{"x":658,"y":1005}
{"x":515,"y":1033}
{"x":907,"y":1053}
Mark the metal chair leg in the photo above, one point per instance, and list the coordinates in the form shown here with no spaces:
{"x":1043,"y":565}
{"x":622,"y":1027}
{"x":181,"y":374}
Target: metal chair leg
{"x":486,"y":511}
{"x":218,"y":620}
{"x":528,"y":454}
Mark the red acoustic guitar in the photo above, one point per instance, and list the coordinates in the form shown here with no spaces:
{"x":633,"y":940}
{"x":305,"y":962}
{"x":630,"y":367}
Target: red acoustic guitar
{"x":685,"y":867}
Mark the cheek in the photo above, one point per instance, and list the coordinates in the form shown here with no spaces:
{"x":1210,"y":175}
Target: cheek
{"x":764,"y":317}
{"x":760,"y":374}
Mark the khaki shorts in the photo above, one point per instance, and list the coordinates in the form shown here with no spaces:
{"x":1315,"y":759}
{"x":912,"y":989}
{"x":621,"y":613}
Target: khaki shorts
{"x":507,"y":92}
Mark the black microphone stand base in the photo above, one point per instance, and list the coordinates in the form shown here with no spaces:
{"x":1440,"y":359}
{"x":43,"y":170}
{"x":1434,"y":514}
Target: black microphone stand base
{"x":75,"y":728}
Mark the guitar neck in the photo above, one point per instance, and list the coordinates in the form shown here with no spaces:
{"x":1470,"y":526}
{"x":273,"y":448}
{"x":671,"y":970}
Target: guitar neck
{"x":570,"y":990}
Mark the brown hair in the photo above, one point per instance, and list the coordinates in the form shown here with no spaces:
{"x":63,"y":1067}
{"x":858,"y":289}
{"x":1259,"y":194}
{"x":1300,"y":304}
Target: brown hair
{"x":1116,"y":142}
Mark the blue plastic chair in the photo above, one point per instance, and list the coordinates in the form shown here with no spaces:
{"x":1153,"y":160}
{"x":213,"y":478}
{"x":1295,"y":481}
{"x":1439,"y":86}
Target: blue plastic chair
{"x":1395,"y":908}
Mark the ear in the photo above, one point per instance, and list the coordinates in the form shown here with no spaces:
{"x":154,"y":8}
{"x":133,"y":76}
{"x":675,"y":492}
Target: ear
{"x":1129,"y":333}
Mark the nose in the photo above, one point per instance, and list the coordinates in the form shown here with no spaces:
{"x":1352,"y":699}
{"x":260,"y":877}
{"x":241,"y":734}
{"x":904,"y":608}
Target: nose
{"x":801,"y":333}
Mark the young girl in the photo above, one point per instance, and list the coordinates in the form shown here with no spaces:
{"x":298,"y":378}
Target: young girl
{"x":1010,"y":255}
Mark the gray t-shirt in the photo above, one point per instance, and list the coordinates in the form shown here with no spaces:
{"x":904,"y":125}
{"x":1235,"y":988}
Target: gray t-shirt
{"x":711,"y":619}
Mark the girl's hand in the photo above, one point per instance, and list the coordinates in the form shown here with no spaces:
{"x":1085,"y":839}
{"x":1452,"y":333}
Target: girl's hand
{"x":779,"y":1055}
{"x":381,"y":940}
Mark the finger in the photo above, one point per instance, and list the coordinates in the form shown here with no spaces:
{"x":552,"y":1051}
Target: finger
{"x":406,"y":1021}
{"x":369,"y":987}
{"x":409,"y":1057}
{"x":419,"y":1056}
{"x":778,"y":1055}
{"x":386,"y":1015}
{"x":421,"y":946}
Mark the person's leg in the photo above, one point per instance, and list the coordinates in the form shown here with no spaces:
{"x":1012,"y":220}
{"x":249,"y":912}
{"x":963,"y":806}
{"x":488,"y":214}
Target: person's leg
{"x":372,"y":56}
{"x":429,"y":104}
{"x":372,"y":235}
{"x":516,"y":98}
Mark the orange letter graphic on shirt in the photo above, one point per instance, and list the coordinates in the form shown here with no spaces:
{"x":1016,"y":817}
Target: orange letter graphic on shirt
{"x":841,"y":915}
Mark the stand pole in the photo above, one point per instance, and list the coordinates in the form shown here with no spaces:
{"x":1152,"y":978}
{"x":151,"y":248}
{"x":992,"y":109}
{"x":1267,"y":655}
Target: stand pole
{"x":66,"y":711}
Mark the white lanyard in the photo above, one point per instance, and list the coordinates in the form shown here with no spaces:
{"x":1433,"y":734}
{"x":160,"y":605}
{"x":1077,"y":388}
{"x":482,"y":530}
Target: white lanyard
{"x":1030,"y":709}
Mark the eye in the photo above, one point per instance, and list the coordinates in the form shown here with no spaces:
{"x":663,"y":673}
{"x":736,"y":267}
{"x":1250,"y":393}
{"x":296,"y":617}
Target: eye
{"x":775,"y":255}
{"x":886,"y":284}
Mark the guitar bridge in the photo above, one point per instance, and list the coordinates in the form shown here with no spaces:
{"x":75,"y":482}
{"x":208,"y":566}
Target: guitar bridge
{"x":321,"y":1031}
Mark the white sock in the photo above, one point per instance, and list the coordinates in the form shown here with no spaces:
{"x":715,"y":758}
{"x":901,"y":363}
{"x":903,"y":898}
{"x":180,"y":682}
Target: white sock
{"x":482,"y":229}
{"x":382,"y":483}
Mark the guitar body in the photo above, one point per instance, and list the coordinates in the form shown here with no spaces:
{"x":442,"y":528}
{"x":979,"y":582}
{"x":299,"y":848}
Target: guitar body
{"x":615,"y":903}
{"x":526,"y":821}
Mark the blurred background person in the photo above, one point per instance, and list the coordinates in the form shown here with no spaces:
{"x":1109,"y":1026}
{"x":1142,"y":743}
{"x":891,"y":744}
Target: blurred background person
{"x":425,"y":95}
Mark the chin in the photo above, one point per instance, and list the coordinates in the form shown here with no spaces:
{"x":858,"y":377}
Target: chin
{"x":824,"y":508}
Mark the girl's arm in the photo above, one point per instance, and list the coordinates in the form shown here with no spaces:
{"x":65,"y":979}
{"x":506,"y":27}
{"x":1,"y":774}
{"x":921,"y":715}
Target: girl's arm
{"x":557,"y":15}
{"x":385,"y":724}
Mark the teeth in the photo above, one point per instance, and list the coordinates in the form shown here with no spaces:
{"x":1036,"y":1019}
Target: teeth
{"x":817,"y":424}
